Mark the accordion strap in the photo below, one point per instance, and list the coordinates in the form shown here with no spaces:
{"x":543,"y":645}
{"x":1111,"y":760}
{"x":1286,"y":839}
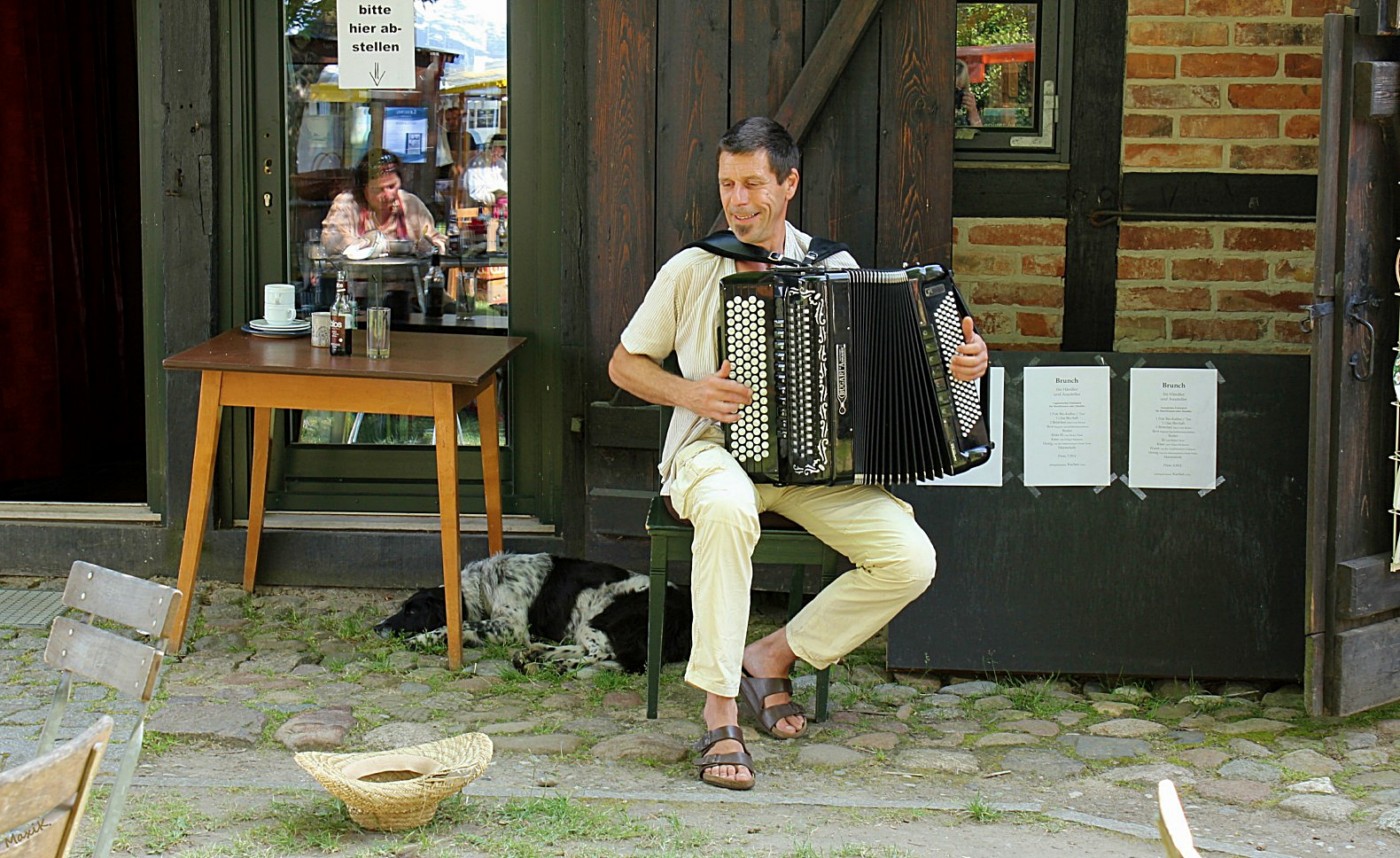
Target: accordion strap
{"x":725,"y":243}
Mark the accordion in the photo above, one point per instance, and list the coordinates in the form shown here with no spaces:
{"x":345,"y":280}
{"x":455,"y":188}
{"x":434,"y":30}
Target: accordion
{"x":850,"y":378}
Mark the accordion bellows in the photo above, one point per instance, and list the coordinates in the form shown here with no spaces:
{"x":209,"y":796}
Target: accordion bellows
{"x":849,"y":373}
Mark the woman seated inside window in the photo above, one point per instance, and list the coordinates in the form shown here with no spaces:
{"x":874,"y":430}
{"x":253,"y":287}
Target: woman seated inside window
{"x":363,"y":221}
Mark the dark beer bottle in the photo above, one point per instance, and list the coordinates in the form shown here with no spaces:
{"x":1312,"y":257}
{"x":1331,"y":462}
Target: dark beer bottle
{"x":342,"y":319}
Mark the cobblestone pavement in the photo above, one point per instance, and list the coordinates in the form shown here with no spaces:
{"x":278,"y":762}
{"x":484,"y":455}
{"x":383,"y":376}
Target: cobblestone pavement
{"x":906,"y":765}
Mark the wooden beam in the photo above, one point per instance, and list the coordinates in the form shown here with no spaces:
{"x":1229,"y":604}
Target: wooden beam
{"x":814,"y":83}
{"x":1376,"y":94}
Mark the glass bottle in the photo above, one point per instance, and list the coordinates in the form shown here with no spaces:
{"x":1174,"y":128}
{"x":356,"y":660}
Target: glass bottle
{"x":434,"y":289}
{"x":342,"y":319}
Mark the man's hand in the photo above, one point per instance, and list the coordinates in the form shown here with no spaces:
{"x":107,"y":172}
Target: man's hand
{"x":719,"y":397}
{"x":971,"y":360}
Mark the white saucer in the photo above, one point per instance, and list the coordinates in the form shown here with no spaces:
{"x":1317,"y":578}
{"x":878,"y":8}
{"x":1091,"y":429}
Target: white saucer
{"x":293,"y":325}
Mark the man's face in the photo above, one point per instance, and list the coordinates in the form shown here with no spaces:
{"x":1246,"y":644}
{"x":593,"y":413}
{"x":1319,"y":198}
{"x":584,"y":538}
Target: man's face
{"x":382,"y":192}
{"x":755,"y":200}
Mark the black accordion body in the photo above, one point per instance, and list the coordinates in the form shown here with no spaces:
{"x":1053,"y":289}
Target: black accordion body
{"x":850,"y":379}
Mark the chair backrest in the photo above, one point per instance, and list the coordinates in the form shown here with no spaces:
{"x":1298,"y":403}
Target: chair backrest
{"x":128,"y":665}
{"x":42,"y":801}
{"x":1171,"y":822}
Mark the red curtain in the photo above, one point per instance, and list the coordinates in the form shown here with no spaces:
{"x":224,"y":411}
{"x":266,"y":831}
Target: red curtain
{"x":71,"y":416}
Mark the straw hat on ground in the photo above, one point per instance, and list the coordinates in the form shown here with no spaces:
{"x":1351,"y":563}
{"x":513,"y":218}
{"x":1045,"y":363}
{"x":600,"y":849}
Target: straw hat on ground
{"x":399,"y":789}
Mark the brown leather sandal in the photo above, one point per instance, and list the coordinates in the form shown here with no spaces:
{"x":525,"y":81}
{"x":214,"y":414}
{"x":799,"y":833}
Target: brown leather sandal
{"x":753,"y":690}
{"x":710,"y":761}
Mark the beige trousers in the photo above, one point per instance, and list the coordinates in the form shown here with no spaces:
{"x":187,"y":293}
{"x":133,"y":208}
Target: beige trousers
{"x":894,"y":562}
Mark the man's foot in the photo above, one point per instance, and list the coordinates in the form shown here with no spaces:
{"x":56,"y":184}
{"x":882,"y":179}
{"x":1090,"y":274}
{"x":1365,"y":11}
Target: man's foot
{"x":725,"y":760}
{"x":766,"y":690}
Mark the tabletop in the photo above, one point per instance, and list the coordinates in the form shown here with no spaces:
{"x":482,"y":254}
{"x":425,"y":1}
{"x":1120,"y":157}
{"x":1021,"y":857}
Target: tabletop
{"x":462,"y":359}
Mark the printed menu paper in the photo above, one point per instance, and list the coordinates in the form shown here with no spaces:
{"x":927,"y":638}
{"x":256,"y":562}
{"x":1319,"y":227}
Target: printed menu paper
{"x":1066,"y":426}
{"x":1172,"y":420}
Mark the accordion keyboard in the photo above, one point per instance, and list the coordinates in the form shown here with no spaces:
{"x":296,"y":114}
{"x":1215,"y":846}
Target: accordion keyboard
{"x":967,"y":395}
{"x":746,"y":329}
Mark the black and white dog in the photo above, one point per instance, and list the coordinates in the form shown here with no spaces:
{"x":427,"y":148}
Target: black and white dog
{"x":563,"y":612}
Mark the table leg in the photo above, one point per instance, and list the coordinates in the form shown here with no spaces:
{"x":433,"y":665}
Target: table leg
{"x":257,"y":493}
{"x":206,"y":442}
{"x":490,"y":465}
{"x":445,"y":425}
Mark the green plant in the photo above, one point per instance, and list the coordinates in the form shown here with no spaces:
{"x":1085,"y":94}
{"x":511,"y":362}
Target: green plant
{"x":980,"y":810}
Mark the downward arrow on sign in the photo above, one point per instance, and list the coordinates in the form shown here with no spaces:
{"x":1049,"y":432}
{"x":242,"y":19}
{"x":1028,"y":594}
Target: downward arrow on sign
{"x":376,"y":75}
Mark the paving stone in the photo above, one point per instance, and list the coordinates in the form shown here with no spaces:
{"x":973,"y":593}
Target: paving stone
{"x":218,"y":722}
{"x":1247,"y":748}
{"x":317,"y":729}
{"x":1150,"y":774}
{"x":1314,"y":786}
{"x":1174,"y":689}
{"x":1035,"y":727}
{"x":1205,"y":758}
{"x":975,"y":688}
{"x":991,"y":702}
{"x":937,"y":760}
{"x":1358,"y":740}
{"x":615,"y":700}
{"x":1250,"y":770}
{"x":1368,"y":757}
{"x":1199,"y":721}
{"x":1114,"y":708}
{"x":826,"y":755}
{"x":1234,"y":791}
{"x":1278,"y":713}
{"x":1044,"y":763}
{"x":1126,"y":728}
{"x":1001,"y":740}
{"x":1109,"y":748}
{"x":506,"y":728}
{"x":642,"y":746}
{"x":1289,"y":696}
{"x":893,"y":694}
{"x":1389,"y":821}
{"x":1371,"y":780}
{"x":1389,"y":728}
{"x":1069,"y":718}
{"x":400,"y":734}
{"x":1253,"y":725}
{"x":1326,"y":808}
{"x":543,"y":744}
{"x":874,"y":741}
{"x":1310,"y":762}
{"x":1173,"y":712}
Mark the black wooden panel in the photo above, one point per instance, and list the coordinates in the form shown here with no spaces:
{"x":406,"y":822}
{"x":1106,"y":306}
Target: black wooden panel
{"x":1206,"y":195}
{"x":765,"y":55}
{"x":634,"y":427}
{"x":1365,"y":587}
{"x":916,"y":141}
{"x":619,"y":512}
{"x":691,"y":114}
{"x":1096,"y":129}
{"x":1364,"y":668}
{"x":981,"y":190}
{"x":1174,"y":583}
{"x":836,"y":198}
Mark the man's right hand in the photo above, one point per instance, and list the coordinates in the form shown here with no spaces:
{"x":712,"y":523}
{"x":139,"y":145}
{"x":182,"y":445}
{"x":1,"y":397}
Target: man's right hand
{"x":718,"y":396}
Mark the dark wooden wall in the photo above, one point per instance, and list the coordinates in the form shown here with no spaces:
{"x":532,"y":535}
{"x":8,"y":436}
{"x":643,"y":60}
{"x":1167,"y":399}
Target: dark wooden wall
{"x":664,"y":80}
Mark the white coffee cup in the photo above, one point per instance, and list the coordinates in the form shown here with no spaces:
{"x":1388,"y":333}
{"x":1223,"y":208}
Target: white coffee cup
{"x":279,"y":303}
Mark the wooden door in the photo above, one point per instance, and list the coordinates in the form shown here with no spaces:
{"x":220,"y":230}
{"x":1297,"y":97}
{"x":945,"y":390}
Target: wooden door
{"x":1353,"y":597}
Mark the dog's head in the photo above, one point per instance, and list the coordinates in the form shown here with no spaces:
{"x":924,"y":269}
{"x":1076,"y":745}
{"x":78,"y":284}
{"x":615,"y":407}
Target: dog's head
{"x":422,"y":612}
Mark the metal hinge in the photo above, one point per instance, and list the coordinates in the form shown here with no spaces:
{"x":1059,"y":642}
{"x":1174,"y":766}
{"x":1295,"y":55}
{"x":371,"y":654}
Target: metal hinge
{"x":1049,"y":114}
{"x":1314,"y":312}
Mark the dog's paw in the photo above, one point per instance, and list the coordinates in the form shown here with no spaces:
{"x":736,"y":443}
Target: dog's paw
{"x":433,"y":640}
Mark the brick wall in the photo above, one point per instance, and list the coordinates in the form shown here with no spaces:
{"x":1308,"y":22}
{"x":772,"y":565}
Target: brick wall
{"x":1211,"y":85}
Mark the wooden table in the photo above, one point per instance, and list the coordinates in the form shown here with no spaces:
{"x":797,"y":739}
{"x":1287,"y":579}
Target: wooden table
{"x":426,"y":375}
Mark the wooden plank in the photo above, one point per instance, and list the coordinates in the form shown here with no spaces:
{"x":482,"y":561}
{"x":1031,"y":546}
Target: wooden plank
{"x":1264,"y":195}
{"x":765,"y":56}
{"x":147,"y":606}
{"x":126,"y":665}
{"x":691,"y":115}
{"x":984,"y":190}
{"x":837,"y":196}
{"x":1364,"y":668}
{"x":621,"y":90}
{"x":44,"y":786}
{"x":1365,"y":587}
{"x":915,"y":149}
{"x":1091,"y":249}
{"x":634,"y":427}
{"x":620,"y":512}
{"x":1376,"y":94}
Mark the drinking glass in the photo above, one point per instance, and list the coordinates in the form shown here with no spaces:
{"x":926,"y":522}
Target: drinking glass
{"x":377,"y":332}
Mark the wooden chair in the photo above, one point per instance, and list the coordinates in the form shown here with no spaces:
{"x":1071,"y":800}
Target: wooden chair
{"x":780,"y":543}
{"x":42,"y":801}
{"x":1171,"y":822}
{"x":128,"y":664}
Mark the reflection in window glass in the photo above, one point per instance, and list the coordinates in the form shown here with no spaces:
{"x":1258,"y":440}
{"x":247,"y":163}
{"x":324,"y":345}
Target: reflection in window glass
{"x":380,"y":180}
{"x":995,"y":72}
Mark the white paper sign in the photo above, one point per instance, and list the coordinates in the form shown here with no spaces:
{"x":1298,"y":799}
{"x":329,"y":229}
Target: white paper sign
{"x":1172,"y":428}
{"x":1066,"y":426}
{"x":376,"y":44}
{"x":989,"y":472}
